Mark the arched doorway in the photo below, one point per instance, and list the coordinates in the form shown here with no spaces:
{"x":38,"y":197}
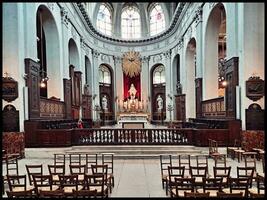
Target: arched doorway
{"x":106,"y":92}
{"x":176,"y":77}
{"x":190,"y":60}
{"x":48,"y":53}
{"x":215,"y":53}
{"x":158,"y":92}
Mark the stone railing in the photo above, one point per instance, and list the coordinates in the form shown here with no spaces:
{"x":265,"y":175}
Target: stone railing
{"x":130,"y":136}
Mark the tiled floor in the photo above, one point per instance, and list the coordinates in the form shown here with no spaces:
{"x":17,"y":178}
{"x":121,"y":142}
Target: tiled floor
{"x":133,"y":177}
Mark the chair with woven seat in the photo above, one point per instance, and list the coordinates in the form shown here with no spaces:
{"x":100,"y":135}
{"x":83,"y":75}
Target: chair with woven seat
{"x":230,"y":150}
{"x":33,"y":170}
{"x":202,"y":160}
{"x":260,"y":189}
{"x":229,"y":195}
{"x":85,"y":193}
{"x":51,"y":194}
{"x":91,"y":159}
{"x":96,"y":182}
{"x":43,"y":182}
{"x":107,"y":159}
{"x":165,"y":161}
{"x":102,"y":169}
{"x":173,"y":172}
{"x":60,"y":159}
{"x":211,"y":185}
{"x":80,"y":170}
{"x":55,"y":171}
{"x":68,"y":183}
{"x":220,"y":160}
{"x":185,"y":160}
{"x":238,"y":185}
{"x":246,"y":172}
{"x":182,"y":185}
{"x":20,"y":194}
{"x":75,"y":159}
{"x":11,"y":162}
{"x":224,"y":173}
{"x":18,"y":183}
{"x":198,"y":173}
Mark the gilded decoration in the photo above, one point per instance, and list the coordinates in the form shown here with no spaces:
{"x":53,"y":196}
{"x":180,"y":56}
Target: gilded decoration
{"x":131,"y":64}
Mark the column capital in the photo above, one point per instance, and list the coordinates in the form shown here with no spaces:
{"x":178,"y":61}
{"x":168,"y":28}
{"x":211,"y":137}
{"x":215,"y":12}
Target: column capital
{"x":64,"y":16}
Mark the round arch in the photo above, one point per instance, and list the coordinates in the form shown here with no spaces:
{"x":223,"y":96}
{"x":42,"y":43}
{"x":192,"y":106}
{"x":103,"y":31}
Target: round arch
{"x":52,"y":51}
{"x":215,"y":25}
{"x":73,"y":54}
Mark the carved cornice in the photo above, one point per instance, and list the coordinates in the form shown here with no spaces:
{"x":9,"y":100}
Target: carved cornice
{"x":165,"y":33}
{"x":180,"y":43}
{"x":117,"y":59}
{"x":198,"y":15}
{"x":145,"y":59}
{"x":168,"y":54}
{"x":64,"y":16}
{"x":95,"y":53}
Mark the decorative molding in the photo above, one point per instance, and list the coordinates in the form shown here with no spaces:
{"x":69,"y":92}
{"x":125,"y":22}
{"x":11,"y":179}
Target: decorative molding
{"x":95,"y":53}
{"x":105,"y":58}
{"x":167,"y":54}
{"x":173,"y":23}
{"x":189,"y":32}
{"x":198,"y":15}
{"x":73,"y":33}
{"x":64,"y":16}
{"x":51,"y":6}
{"x":157,"y":58}
{"x":181,"y":43}
{"x":117,"y":60}
{"x":145,"y":59}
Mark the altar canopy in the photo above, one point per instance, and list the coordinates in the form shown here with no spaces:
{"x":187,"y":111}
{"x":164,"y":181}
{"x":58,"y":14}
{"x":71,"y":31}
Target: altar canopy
{"x":127,"y":81}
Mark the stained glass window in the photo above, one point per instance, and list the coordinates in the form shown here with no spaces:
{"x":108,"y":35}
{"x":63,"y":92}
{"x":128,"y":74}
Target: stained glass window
{"x":103,"y":22}
{"x":156,"y":19}
{"x":130,"y":23}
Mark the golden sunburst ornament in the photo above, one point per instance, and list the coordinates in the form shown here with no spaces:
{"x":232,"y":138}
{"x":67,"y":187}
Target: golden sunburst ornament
{"x":131,"y":63}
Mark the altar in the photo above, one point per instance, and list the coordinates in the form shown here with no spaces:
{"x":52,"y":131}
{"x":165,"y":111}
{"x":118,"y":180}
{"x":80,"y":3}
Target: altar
{"x":133,"y":120}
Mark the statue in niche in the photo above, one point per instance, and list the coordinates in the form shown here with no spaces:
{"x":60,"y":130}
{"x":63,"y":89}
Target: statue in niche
{"x":179,"y":87}
{"x":132,"y":101}
{"x":160,"y":103}
{"x":132,"y":91}
{"x":104,"y":103}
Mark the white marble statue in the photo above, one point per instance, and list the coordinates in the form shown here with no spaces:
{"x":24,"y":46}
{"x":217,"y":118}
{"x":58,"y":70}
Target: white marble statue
{"x":160,"y":103}
{"x":104,"y":103}
{"x":132,"y":91}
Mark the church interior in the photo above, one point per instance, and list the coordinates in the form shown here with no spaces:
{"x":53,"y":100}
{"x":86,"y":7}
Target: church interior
{"x":133,"y":99}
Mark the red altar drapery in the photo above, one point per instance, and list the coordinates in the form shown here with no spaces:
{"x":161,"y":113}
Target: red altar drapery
{"x":127,"y":81}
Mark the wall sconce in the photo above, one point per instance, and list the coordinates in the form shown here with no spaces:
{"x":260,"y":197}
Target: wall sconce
{"x":44,"y":82}
{"x":224,"y":84}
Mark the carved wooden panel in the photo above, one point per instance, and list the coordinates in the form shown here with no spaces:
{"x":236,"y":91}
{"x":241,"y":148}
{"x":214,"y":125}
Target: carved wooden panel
{"x":32,"y":82}
{"x":180,"y":107}
{"x":231,"y":76}
{"x":67,"y":98}
{"x":52,"y":109}
{"x":86,"y":106}
{"x":10,"y":119}
{"x":198,"y":84}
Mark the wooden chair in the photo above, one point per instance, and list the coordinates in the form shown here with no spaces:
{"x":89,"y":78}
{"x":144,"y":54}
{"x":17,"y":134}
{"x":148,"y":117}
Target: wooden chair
{"x":51,"y":194}
{"x":102,"y":169}
{"x":96,"y":182}
{"x":107,"y":159}
{"x":91,"y":159}
{"x":68,"y":183}
{"x":230,"y":195}
{"x":18,"y":183}
{"x":185,"y":160}
{"x":173,"y":172}
{"x":11,"y":162}
{"x":165,"y":161}
{"x":85,"y":193}
{"x":43,"y":182}
{"x":33,"y":170}
{"x":260,"y":189}
{"x":55,"y":171}
{"x":230,"y":150}
{"x":224,"y":173}
{"x":220,"y":160}
{"x":80,"y":171}
{"x":198,"y":173}
{"x":211,"y":185}
{"x":20,"y":194}
{"x":246,"y":172}
{"x":196,"y":195}
{"x":238,"y":185}
{"x":60,"y":159}
{"x":202,"y":161}
{"x":75,"y":159}
{"x":182,"y":185}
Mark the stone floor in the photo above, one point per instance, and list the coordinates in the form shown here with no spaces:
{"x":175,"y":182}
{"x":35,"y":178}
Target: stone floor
{"x":133,"y":177}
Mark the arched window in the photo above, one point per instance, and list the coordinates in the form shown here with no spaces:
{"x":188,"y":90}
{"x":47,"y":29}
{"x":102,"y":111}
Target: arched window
{"x":104,"y":75}
{"x":156,"y":19}
{"x":103,"y":21}
{"x":159,"y":75}
{"x":130,"y":22}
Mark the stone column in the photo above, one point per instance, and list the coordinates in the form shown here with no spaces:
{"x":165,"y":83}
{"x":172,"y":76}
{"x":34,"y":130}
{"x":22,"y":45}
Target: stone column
{"x":118,"y":83}
{"x":168,"y":87}
{"x":145,"y":83}
{"x":95,"y":81}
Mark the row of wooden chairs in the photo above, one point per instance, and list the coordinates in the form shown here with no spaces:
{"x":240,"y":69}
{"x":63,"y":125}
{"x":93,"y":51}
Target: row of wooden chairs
{"x":213,"y":186}
{"x":95,"y":185}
